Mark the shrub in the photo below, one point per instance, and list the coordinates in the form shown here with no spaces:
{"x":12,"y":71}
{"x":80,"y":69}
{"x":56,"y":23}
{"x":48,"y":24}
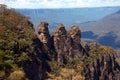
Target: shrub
{"x":17,"y":75}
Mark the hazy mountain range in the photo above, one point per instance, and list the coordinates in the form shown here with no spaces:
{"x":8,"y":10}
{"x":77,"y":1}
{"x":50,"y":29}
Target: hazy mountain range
{"x":67,"y":16}
{"x":99,"y":24}
{"x":105,"y":31}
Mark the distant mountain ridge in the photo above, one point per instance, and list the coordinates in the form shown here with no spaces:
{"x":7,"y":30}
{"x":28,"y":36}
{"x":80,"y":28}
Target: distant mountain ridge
{"x":68,"y":17}
{"x":106,"y":29}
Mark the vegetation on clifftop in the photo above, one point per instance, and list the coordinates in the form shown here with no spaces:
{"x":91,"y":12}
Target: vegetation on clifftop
{"x":16,"y":35}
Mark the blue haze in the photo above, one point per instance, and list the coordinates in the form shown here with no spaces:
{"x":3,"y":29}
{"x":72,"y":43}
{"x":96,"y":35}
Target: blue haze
{"x":68,"y":17}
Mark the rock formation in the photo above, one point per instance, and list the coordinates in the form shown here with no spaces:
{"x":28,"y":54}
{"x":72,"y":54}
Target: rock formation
{"x":103,"y":68}
{"x":75,"y":35}
{"x":67,"y":43}
{"x":44,"y":35}
{"x":103,"y":65}
{"x":67,"y":46}
{"x":62,"y":43}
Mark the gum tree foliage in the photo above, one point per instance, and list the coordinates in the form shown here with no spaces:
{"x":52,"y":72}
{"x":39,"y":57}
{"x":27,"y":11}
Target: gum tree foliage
{"x":16,"y":38}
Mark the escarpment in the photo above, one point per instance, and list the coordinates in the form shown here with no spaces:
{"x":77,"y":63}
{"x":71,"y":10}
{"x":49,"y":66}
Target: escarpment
{"x":103,"y":65}
{"x":97,"y":62}
{"x":60,"y":56}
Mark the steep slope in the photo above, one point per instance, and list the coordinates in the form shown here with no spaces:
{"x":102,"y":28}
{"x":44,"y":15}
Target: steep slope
{"x":21,"y":55}
{"x":104,"y":29}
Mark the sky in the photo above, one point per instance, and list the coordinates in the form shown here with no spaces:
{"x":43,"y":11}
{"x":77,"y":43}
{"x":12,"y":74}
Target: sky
{"x":59,"y":3}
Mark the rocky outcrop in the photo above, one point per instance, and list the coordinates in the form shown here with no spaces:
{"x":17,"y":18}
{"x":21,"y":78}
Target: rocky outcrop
{"x":44,"y":35}
{"x":103,"y":65}
{"x":67,"y":43}
{"x":85,"y":46}
{"x":75,"y":35}
{"x":104,"y":68}
{"x":62,"y":43}
{"x":98,"y":61}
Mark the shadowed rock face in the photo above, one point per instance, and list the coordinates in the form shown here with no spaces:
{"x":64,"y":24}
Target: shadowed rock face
{"x":62,"y":43}
{"x":103,"y":68}
{"x":75,"y":35}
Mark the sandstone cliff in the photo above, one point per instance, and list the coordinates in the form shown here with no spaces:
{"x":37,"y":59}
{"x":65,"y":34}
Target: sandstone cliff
{"x":66,"y":43}
{"x":44,"y":35}
{"x":103,"y":65}
{"x":97,"y":62}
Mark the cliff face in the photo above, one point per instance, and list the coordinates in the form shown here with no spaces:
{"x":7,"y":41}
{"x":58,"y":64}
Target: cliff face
{"x":44,"y":35}
{"x":75,"y":35}
{"x":98,"y":62}
{"x":104,"y":65}
{"x":62,"y":43}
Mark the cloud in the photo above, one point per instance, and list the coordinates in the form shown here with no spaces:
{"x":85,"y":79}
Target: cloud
{"x":59,"y":3}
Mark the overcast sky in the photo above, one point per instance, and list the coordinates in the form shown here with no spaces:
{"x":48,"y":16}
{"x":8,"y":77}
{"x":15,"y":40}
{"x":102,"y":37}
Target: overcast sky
{"x":59,"y":3}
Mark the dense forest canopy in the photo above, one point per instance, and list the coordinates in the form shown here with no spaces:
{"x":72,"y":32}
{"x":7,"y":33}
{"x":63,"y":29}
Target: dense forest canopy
{"x":16,"y":35}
